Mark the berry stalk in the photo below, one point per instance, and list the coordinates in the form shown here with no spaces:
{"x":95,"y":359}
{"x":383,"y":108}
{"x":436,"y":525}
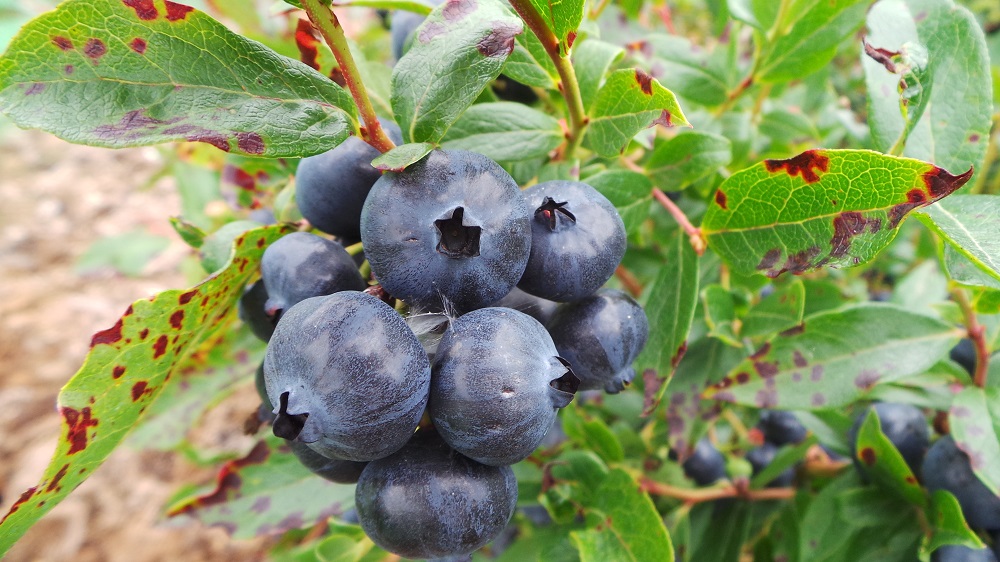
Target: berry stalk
{"x":694,"y":233}
{"x":977,"y":333}
{"x":326,"y":21}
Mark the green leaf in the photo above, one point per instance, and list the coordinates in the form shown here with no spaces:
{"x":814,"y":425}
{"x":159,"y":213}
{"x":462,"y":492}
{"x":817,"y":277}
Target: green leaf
{"x":945,"y":514}
{"x":669,"y":306}
{"x":126,"y":253}
{"x":836,"y":357}
{"x":811,"y":41}
{"x":505,"y":131}
{"x":563,"y":17}
{"x":756,"y":13}
{"x":691,"y":72}
{"x":591,"y":60}
{"x":105,"y":74}
{"x":963,"y":270}
{"x":954,"y":129}
{"x":720,"y":314}
{"x":968,"y":224}
{"x":882,"y":461}
{"x":530,"y":64}
{"x":402,"y":156}
{"x":127,"y":367}
{"x":975,"y":424}
{"x":592,"y":433}
{"x":455,"y":54}
{"x":189,"y":233}
{"x":415,"y":6}
{"x":266,"y":492}
{"x":686,"y":158}
{"x":822,"y":207}
{"x":786,"y":458}
{"x":630,"y":192}
{"x":629,"y":102}
{"x":781,"y":310}
{"x":628,"y":527}
{"x":347,"y":543}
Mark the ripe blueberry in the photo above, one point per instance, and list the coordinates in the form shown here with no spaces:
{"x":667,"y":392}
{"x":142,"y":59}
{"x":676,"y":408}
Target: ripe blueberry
{"x":452,"y":228}
{"x":706,"y":464}
{"x":496,"y":385}
{"x":964,"y":353}
{"x":577,"y":241}
{"x":958,"y":553}
{"x":601,"y":336}
{"x":946,"y":467}
{"x":761,"y":457}
{"x":401,"y":28}
{"x":346,"y":376}
{"x":427,"y":501}
{"x":330,"y":188}
{"x":781,"y":428}
{"x":334,"y":470}
{"x":536,"y":307}
{"x":904,"y":425}
{"x":251,"y":311}
{"x":302,"y":265}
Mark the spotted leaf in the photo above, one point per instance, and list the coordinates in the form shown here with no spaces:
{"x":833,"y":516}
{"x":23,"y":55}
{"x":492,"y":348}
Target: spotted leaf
{"x":834,"y":208}
{"x":975,"y":424}
{"x":968,"y":224}
{"x":883,"y":462}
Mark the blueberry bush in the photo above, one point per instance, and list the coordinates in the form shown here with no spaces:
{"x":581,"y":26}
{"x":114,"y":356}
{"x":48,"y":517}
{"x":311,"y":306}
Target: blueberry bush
{"x":598,"y":281}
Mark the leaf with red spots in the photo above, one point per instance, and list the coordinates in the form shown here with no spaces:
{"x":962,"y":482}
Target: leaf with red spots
{"x":945,"y":514}
{"x":975,"y":424}
{"x":147,"y":73}
{"x":127,"y":367}
{"x":456,"y":52}
{"x":883,"y":462}
{"x":669,"y":306}
{"x":836,"y":358}
{"x":255,"y":182}
{"x":629,"y":101}
{"x":781,"y":310}
{"x":953,"y":131}
{"x":836,"y":208}
{"x":266,"y":492}
{"x":969,"y":224}
{"x":563,"y":17}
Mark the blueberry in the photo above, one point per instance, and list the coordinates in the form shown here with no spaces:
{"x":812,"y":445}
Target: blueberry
{"x":334,"y":470}
{"x":265,"y":413}
{"x":252,"y":311}
{"x":958,"y":553}
{"x":706,"y":465}
{"x":508,"y":89}
{"x":347,"y":376}
{"x":402,"y":26}
{"x":946,"y":467}
{"x":330,"y":188}
{"x":536,"y":307}
{"x":496,"y":385}
{"x":577,"y":241}
{"x":427,"y":501}
{"x":452,"y":228}
{"x":761,"y":457}
{"x":904,"y":425}
{"x":302,"y":265}
{"x":781,"y":428}
{"x":601,"y":336}
{"x":964,"y":353}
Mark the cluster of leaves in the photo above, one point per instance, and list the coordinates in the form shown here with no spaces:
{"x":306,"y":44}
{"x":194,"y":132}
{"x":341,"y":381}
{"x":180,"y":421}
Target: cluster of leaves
{"x":798,"y":148}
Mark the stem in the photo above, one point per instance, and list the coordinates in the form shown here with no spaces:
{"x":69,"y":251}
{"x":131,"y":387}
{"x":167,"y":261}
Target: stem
{"x":691,"y":496}
{"x":326,"y":21}
{"x":697,"y":240}
{"x":568,"y":84}
{"x":355,"y":249}
{"x":977,"y":333}
{"x":629,"y":281}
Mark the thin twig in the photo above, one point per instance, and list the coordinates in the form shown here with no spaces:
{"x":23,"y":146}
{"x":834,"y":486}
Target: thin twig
{"x":629,"y":281}
{"x":694,"y":234}
{"x":977,"y":333}
{"x":692,"y":495}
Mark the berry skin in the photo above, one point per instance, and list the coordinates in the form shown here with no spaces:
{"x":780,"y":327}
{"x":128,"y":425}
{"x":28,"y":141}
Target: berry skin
{"x":346,"y":376}
{"x":330,"y":188}
{"x":536,"y":307}
{"x":958,"y":553}
{"x":761,"y":457}
{"x":781,"y":428}
{"x":452,"y":228}
{"x":946,"y":467}
{"x":302,"y":265}
{"x":964,"y":353}
{"x":251,"y":311}
{"x":601,"y":336}
{"x":334,"y":470}
{"x":904,"y":425}
{"x":496,"y":385}
{"x":706,"y":465}
{"x":577,"y":241}
{"x":427,"y":501}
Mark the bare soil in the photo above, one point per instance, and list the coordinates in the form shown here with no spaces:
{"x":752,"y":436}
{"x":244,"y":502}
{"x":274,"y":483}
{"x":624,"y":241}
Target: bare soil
{"x":56,"y":199}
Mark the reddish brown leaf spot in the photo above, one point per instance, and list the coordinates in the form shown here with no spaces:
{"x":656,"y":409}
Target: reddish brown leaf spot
{"x":846,"y":226}
{"x":720,"y":199}
{"x":228,"y":481}
{"x":766,"y":398}
{"x":21,"y":501}
{"x":456,"y":10}
{"x":867,"y":456}
{"x":742,"y":377}
{"x":570,"y":39}
{"x":665,"y":119}
{"x":645,"y":81}
{"x":261,"y":505}
{"x":799,"y":359}
{"x":95,"y":49}
{"x":914,"y":198}
{"x":882,"y":56}
{"x":118,"y":371}
{"x":430,"y":30}
{"x":177,"y":319}
{"x":799,"y":262}
{"x":973,"y":138}
{"x":766,"y":369}
{"x":911,"y":480}
{"x":260,"y":242}
{"x":185,"y":298}
{"x":138,"y":45}
{"x":940,"y":183}
{"x":794,"y":330}
{"x":69,"y":68}
{"x":78,"y":422}
{"x":306,"y":41}
{"x":499,"y":42}
{"x":769,"y":260}
{"x":35,"y":88}
{"x":818,"y":399}
{"x":144,"y":9}
{"x":140,"y":388}
{"x":144,"y":333}
{"x":866,"y":379}
{"x":250,"y":142}
{"x":805,"y":164}
{"x":651,"y":387}
{"x":160,"y":347}
{"x":679,"y":354}
{"x":54,"y":485}
{"x":110,"y":336}
{"x":761,"y":352}
{"x":177,"y":11}
{"x":238,"y":177}
{"x":62,"y":42}
{"x":816,"y":374}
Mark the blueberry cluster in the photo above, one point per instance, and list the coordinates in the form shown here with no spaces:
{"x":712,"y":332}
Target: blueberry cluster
{"x":427,"y":413}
